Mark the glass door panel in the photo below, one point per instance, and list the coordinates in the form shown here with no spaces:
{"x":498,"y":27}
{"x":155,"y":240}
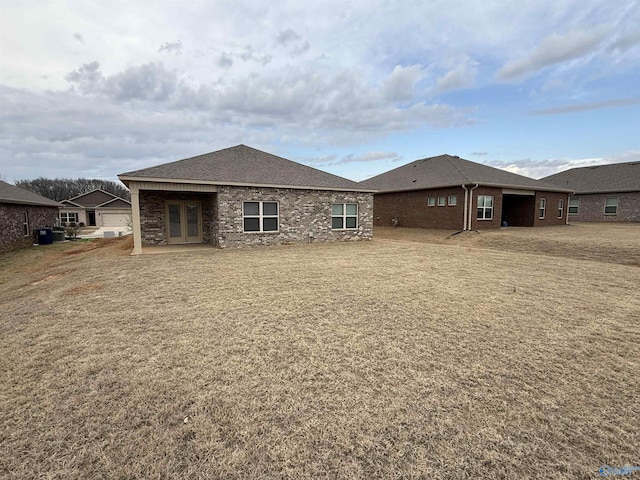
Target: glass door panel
{"x":184,"y":221}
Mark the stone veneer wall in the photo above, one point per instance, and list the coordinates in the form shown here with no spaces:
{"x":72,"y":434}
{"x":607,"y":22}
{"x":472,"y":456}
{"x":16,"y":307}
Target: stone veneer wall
{"x":591,"y":208}
{"x":301,"y":212}
{"x":11,"y":218}
{"x":152,"y":215}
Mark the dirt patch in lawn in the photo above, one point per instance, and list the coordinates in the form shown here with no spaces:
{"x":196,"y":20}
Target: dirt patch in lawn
{"x":383,"y":359}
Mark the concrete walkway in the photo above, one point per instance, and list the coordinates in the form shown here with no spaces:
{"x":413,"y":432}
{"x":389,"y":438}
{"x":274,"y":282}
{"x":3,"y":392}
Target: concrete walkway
{"x":106,"y":232}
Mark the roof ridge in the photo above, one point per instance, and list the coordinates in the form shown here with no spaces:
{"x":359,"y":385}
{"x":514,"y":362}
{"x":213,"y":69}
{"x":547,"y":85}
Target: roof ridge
{"x":457,"y":167}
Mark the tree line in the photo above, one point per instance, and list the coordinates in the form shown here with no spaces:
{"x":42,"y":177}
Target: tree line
{"x":59,"y":189}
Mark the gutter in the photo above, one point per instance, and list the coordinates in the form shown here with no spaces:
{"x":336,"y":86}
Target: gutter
{"x":127,"y":178}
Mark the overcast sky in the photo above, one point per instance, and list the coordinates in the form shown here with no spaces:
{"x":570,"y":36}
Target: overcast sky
{"x":96,"y":88}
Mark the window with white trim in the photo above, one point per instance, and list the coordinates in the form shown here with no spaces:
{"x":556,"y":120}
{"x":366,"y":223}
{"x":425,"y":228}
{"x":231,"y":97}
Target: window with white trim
{"x":442,"y":201}
{"x":574,"y":203}
{"x":560,"y":208}
{"x":543,"y":207}
{"x":25,"y":224}
{"x":611,"y":205}
{"x":431,"y":201}
{"x":485,"y":207}
{"x":260,"y":216}
{"x":68,"y":217}
{"x":344,"y":216}
{"x":453,"y":200}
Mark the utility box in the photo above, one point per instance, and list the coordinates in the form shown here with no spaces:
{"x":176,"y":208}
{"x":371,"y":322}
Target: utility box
{"x":45,"y":236}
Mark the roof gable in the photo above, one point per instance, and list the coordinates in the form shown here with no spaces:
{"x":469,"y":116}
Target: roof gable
{"x":242,"y":165}
{"x":116,"y":203}
{"x":446,"y":170}
{"x":92,"y":198}
{"x":615,"y":177}
{"x":12,"y":194}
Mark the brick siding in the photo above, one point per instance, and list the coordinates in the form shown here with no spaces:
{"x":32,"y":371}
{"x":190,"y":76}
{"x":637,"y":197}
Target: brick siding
{"x":11,"y":218}
{"x":411,"y":209}
{"x":301,"y":212}
{"x":591,"y":208}
{"x":551,"y":210}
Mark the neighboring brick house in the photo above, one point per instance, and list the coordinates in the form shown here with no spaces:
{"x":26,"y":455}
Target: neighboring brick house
{"x":96,"y":208}
{"x":603,"y":193}
{"x":449,"y":192}
{"x":242,"y":196}
{"x":21,"y":213}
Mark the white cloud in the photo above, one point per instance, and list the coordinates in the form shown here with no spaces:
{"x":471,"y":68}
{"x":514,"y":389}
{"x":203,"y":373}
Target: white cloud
{"x":543,"y":168}
{"x":554,"y":49}
{"x":583,"y":107}
{"x":462,"y":76}
{"x":400,"y":85}
{"x":171,"y":47}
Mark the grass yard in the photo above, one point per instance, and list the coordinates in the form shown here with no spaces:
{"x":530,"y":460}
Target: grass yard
{"x":508,"y":354}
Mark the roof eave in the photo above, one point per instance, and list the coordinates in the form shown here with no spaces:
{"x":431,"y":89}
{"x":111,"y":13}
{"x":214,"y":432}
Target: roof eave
{"x":618,"y":190}
{"x":14,"y":201}
{"x":127,"y":178}
{"x":482,"y":184}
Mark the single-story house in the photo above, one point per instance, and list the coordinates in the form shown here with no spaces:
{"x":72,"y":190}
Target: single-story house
{"x":242,"y":196}
{"x":21,"y":213}
{"x":449,"y":192}
{"x":603,"y":193}
{"x":96,"y":208}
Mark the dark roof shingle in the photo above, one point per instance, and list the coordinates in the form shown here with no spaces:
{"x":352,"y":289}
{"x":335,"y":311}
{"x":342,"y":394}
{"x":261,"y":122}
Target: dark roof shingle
{"x":12,"y":194}
{"x":447,"y":171}
{"x":615,"y":177}
{"x":246,"y":166}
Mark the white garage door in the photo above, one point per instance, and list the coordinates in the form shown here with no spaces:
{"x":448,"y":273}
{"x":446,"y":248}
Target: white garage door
{"x":114,"y":220}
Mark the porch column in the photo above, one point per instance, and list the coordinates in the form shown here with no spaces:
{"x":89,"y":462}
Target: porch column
{"x":135,"y":214}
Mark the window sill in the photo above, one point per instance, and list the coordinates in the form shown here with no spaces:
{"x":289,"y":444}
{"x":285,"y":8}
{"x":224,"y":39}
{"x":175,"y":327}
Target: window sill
{"x":264,"y":233}
{"x":484,"y":219}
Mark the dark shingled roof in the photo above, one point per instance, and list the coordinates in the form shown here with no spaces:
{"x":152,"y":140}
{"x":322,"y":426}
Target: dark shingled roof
{"x":245,"y":166}
{"x":12,"y":194}
{"x":447,"y":171}
{"x":616,"y":177}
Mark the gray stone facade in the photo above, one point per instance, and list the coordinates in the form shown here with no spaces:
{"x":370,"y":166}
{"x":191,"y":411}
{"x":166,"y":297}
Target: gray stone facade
{"x":591,"y":208}
{"x":12,"y":217}
{"x":304,"y":216}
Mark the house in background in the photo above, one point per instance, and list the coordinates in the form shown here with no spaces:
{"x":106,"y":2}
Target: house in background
{"x":449,"y":192}
{"x":603,"y":193}
{"x":96,"y":208}
{"x":242,"y":196}
{"x":22,"y":212}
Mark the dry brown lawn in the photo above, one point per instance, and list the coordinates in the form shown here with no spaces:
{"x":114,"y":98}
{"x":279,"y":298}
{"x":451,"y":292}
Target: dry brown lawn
{"x":387,"y":359}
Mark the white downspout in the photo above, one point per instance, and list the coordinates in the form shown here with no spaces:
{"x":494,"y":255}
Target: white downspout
{"x":471,"y":204}
{"x":466,"y":198}
{"x":567,"y":209}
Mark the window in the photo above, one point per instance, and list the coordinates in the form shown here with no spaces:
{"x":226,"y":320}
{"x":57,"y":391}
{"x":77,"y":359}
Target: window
{"x":574,"y":203}
{"x":543,"y":207}
{"x":453,"y":200}
{"x":344,"y":216}
{"x":442,"y":201}
{"x":68,"y":217}
{"x":25,"y":224}
{"x":431,"y":201}
{"x":260,"y":216}
{"x":485,"y":207}
{"x":611,"y":205}
{"x":560,"y":208}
